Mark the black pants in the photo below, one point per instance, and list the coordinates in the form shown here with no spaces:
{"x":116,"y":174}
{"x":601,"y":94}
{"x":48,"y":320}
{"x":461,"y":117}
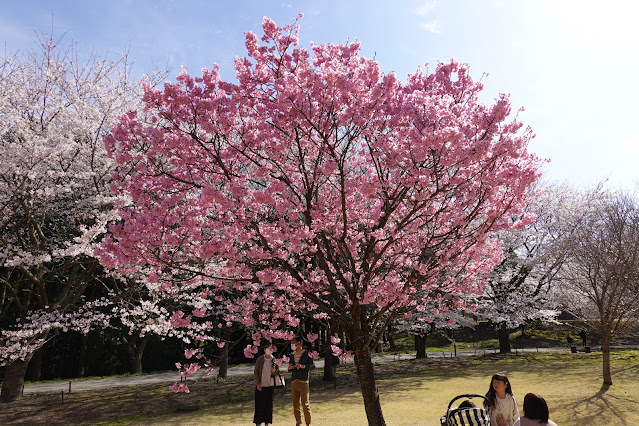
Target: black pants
{"x":263,"y":405}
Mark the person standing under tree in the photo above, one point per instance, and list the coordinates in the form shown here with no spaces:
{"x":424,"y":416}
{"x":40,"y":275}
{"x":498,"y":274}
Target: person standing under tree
{"x":583,"y":335}
{"x":300,"y":365}
{"x":265,"y":367}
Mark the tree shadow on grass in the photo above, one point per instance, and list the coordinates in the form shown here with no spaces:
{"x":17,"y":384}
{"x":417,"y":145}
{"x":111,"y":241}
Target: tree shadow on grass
{"x":432,"y":377}
{"x":234,"y":397}
{"x":590,"y":410}
{"x":435,"y":378}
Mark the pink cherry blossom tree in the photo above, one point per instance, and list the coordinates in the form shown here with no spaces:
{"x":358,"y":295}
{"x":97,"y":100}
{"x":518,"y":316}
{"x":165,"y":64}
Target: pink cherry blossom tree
{"x":318,"y":182}
{"x":54,"y":198}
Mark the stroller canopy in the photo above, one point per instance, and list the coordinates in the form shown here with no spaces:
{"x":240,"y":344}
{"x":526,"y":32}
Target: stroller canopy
{"x":466,"y":416}
{"x":474,"y":416}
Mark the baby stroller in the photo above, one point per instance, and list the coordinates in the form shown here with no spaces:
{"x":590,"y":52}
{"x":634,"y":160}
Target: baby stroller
{"x":467,"y":414}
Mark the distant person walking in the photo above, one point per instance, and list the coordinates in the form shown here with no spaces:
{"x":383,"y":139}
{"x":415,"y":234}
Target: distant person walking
{"x":501,"y":406}
{"x":536,"y":412}
{"x":583,"y":335}
{"x":265,"y":367}
{"x":300,"y":364}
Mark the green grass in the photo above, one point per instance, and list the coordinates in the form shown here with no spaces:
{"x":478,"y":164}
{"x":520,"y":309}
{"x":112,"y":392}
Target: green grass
{"x":418,"y":392}
{"x":412,"y":392}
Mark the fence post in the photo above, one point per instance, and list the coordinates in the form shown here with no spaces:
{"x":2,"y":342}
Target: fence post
{"x":69,"y":386}
{"x":62,"y":397}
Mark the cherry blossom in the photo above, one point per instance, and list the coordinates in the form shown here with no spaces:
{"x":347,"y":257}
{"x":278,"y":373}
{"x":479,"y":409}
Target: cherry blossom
{"x":318,"y":185}
{"x":55,"y":203}
{"x":521,"y":286}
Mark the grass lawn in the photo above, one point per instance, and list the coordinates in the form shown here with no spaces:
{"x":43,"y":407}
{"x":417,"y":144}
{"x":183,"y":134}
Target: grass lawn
{"x":416,"y":393}
{"x":412,"y":393}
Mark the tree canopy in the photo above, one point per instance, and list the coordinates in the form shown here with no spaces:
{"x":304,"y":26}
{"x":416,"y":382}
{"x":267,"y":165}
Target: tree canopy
{"x":317,"y":182}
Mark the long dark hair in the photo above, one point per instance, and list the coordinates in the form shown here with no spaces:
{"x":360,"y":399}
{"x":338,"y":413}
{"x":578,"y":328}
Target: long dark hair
{"x":491,"y":394}
{"x":535,"y":408}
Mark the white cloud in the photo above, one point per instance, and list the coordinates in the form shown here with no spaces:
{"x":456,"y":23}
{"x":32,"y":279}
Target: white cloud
{"x":433,"y":26}
{"x":427,"y":7}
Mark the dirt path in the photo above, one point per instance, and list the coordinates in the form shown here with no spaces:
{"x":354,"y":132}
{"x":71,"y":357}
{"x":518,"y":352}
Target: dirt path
{"x":173,"y":376}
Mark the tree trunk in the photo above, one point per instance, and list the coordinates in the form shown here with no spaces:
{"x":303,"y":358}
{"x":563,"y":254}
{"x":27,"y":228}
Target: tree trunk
{"x":523,"y":331}
{"x":136,"y":350}
{"x":330,"y":360}
{"x":605,"y":351}
{"x":391,"y":341}
{"x":224,"y":362}
{"x":14,"y":379}
{"x":82,"y":359}
{"x":36,"y":365}
{"x":366,"y":374}
{"x":420,"y":346}
{"x":329,"y":365}
{"x":504,"y":339}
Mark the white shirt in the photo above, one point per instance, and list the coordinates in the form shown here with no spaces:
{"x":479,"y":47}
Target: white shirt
{"x":266,"y":372}
{"x":507,"y":407}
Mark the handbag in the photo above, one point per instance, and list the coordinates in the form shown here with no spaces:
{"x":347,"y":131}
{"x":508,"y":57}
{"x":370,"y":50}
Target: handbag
{"x":277,"y":381}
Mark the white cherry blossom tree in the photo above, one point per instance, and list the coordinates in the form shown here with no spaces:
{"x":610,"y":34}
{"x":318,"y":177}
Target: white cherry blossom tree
{"x":600,"y":280}
{"x":521,"y":287}
{"x":54,"y":197}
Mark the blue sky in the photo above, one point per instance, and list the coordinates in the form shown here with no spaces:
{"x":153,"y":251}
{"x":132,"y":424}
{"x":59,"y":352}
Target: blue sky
{"x":573,"y":64}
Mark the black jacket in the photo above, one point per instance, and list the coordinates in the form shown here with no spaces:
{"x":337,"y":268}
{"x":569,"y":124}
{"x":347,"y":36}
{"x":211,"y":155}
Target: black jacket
{"x":301,"y":373}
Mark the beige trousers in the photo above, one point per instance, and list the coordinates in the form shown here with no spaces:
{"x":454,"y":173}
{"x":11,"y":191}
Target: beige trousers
{"x":299,"y":392}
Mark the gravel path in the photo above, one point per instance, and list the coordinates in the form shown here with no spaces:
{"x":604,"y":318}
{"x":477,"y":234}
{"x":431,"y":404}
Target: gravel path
{"x":238,"y":370}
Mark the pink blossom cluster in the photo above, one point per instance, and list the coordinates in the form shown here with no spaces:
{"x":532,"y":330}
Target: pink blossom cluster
{"x":180,"y":387}
{"x":187,"y":369}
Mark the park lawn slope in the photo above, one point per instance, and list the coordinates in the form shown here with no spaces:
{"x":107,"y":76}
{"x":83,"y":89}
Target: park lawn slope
{"x":418,"y":392}
{"x":413,"y":392}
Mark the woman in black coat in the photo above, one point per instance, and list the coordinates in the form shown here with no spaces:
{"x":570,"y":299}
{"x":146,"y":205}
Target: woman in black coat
{"x":265,"y":368}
